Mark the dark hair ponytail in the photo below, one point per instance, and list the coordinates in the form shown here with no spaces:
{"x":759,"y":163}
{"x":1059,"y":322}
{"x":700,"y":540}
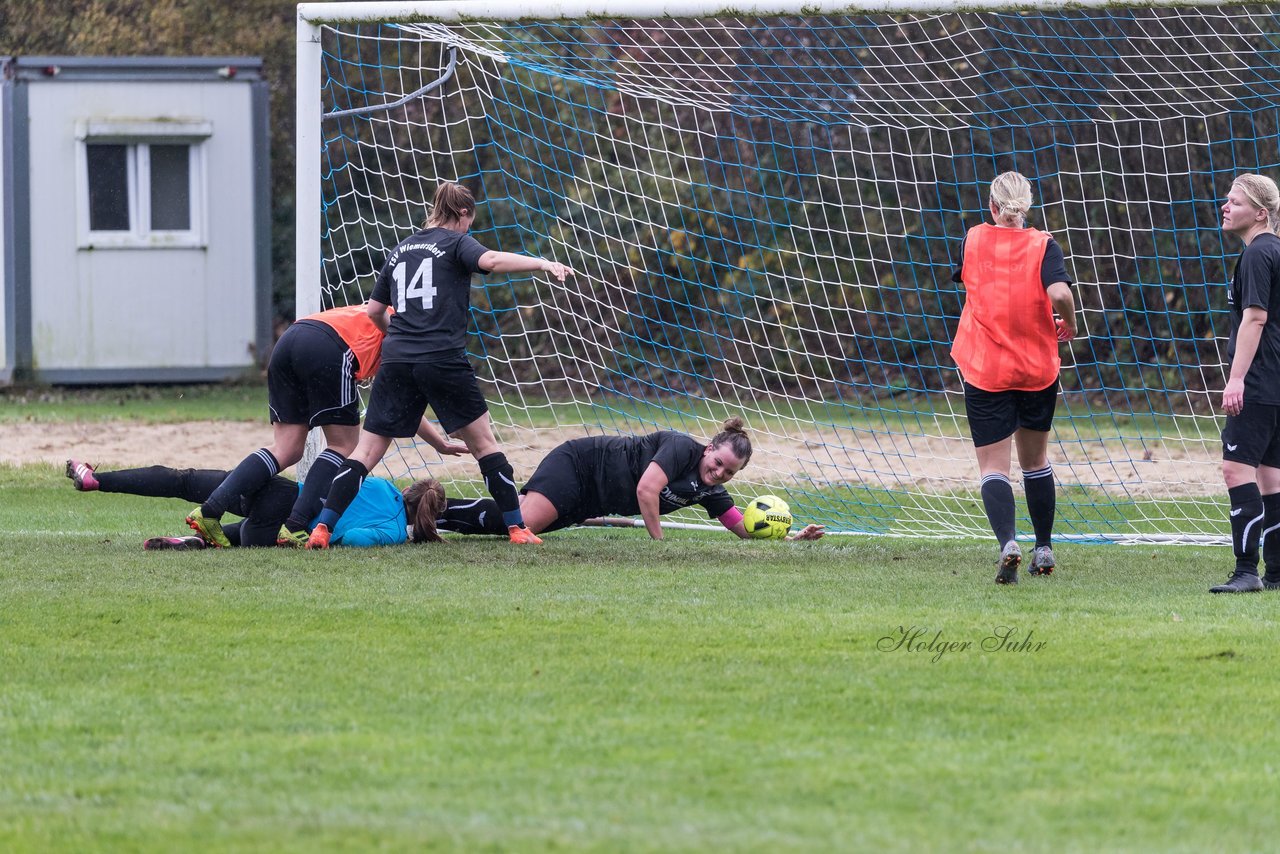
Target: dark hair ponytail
{"x":423,"y":504}
{"x":451,"y":203}
{"x":735,"y":437}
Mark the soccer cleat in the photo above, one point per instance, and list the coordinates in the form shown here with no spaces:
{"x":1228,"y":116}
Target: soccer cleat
{"x":176,"y":544}
{"x":319,"y":538}
{"x":1271,"y":582}
{"x":81,"y":475}
{"x":1239,"y":582}
{"x":291,"y":539}
{"x":522,"y":536}
{"x":1010,"y":558}
{"x":210,"y":530}
{"x":1042,"y":562}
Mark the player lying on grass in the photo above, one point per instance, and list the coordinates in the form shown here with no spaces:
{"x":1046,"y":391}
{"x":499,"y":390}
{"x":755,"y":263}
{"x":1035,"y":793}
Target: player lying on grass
{"x":627,"y":475}
{"x":377,"y":517}
{"x":311,"y":382}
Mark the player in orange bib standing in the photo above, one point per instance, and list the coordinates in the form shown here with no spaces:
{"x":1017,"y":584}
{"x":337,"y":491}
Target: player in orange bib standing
{"x":1006,"y":348}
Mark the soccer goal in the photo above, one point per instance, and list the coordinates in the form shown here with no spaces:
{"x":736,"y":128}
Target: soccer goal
{"x":764,"y":206}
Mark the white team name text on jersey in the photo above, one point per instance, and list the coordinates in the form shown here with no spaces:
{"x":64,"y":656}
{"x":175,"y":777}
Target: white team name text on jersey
{"x":413,"y":247}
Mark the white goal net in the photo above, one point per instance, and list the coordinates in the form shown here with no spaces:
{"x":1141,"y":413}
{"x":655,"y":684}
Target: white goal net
{"x":764,"y":214}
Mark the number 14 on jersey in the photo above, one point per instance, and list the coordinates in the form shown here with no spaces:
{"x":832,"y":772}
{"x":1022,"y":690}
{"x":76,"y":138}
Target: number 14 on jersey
{"x":420,"y":286}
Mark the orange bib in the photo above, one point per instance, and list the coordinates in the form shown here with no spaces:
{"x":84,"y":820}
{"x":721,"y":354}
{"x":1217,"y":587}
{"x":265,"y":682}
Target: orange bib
{"x":353,"y":326}
{"x":1006,"y":340}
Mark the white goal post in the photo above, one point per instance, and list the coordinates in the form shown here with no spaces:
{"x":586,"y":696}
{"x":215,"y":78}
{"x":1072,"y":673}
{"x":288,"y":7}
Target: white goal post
{"x":764,"y":201}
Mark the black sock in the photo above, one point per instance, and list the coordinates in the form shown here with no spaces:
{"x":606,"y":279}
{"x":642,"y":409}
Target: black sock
{"x":1246,"y":525}
{"x":997,"y":499}
{"x":1271,"y":534}
{"x":500,"y":479}
{"x":314,"y":489}
{"x":472,"y":516}
{"x":346,"y":485}
{"x":245,"y":479}
{"x":1041,"y":502}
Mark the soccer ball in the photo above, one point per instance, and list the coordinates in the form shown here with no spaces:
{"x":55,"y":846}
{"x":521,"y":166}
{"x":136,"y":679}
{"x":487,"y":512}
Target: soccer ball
{"x":767,"y":518}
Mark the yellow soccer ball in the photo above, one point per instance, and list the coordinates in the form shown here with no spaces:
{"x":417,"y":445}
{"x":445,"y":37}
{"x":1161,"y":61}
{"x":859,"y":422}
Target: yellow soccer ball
{"x":767,"y":518}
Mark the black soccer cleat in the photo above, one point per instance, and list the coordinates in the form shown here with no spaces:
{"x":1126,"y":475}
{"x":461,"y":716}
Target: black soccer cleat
{"x":1239,"y":582}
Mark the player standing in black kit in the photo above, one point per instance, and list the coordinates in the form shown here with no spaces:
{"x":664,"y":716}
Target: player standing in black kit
{"x":1251,"y":398}
{"x":427,"y":279}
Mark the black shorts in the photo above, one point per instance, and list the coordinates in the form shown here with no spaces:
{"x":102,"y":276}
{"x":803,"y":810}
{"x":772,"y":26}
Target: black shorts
{"x":402,"y":392}
{"x":562,"y":479}
{"x":311,"y":378}
{"x":997,"y":415}
{"x":1253,"y":436}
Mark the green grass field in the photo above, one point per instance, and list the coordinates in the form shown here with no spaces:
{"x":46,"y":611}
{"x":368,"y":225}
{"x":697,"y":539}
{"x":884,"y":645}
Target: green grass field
{"x":607,"y":692}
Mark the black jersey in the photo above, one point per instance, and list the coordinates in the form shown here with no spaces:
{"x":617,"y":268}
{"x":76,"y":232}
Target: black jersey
{"x":1256,"y":283}
{"x":616,"y":464}
{"x":427,"y":280}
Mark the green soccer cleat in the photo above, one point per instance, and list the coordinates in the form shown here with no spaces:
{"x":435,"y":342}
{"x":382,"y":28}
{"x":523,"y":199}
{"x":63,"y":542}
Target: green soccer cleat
{"x":291,"y":539}
{"x":210,"y":530}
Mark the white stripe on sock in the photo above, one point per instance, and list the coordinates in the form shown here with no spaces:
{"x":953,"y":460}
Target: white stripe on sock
{"x":1244,"y":535}
{"x":269,"y":461}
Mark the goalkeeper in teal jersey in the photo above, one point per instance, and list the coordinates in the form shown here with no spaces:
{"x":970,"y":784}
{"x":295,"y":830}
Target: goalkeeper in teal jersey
{"x":378,"y":516}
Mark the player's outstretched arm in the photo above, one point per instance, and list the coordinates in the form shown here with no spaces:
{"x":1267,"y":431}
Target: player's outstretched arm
{"x":494,"y":261}
{"x":808,"y":532}
{"x":733,"y":521}
{"x":431,"y":434}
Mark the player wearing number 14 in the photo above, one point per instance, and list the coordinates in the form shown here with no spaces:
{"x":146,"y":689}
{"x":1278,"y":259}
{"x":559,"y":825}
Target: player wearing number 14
{"x":427,"y":279}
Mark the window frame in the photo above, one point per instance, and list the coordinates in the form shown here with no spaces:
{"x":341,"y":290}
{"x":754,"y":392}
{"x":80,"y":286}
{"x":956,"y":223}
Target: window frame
{"x":138,"y":137}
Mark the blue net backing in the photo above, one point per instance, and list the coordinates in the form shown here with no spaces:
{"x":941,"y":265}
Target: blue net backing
{"x":765,"y":214}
